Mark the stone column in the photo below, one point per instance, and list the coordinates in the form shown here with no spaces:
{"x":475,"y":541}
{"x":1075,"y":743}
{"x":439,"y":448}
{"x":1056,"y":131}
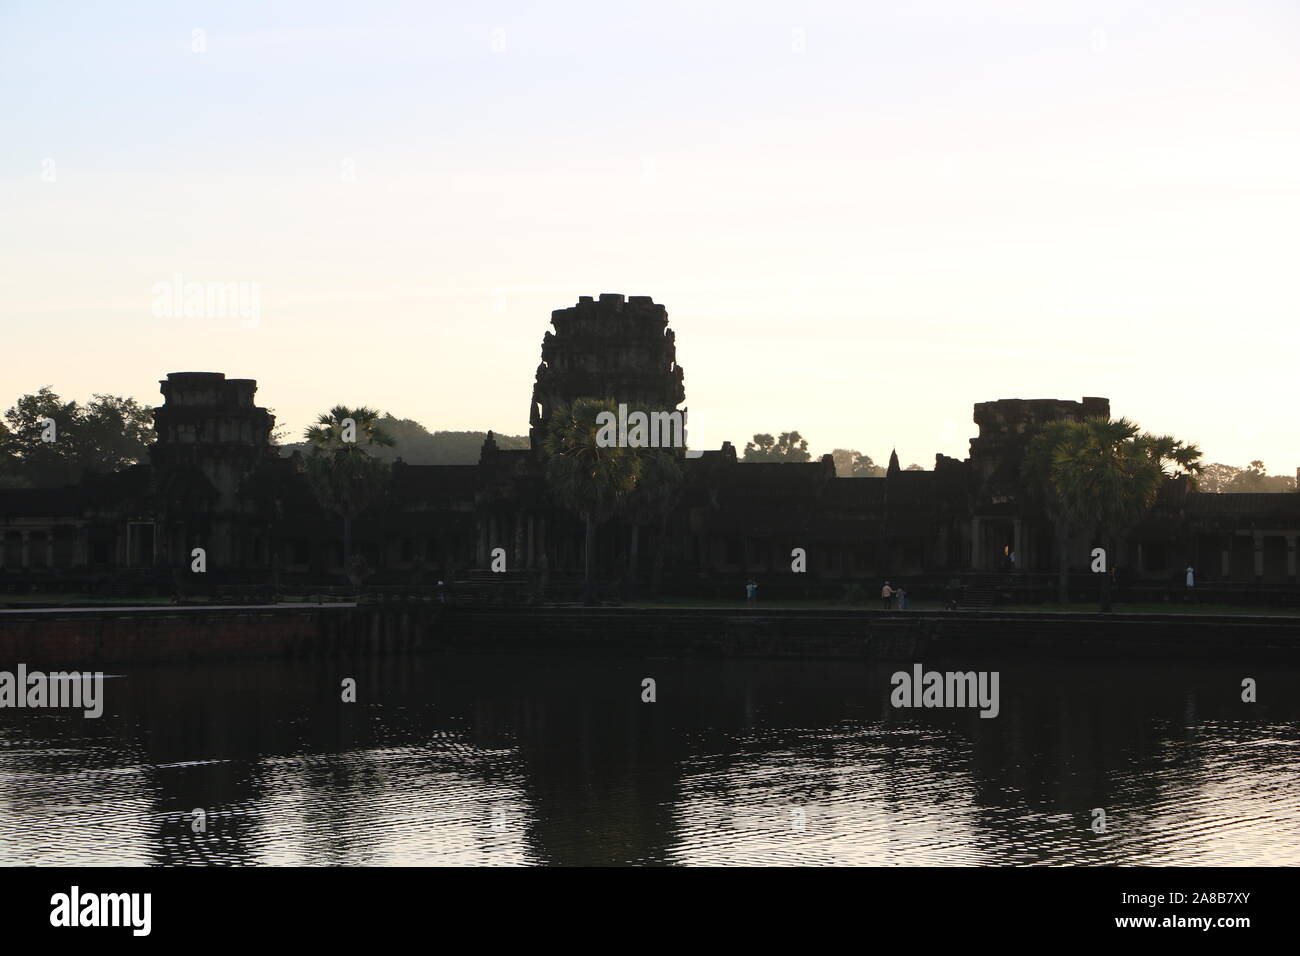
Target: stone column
{"x":520,"y":560}
{"x":976,"y":544}
{"x":1259,"y":556}
{"x":1290,"y":556}
{"x":543,"y":559}
{"x":1017,"y":544}
{"x":481,"y":558}
{"x":532,"y":549}
{"x":1226,"y":557}
{"x":26,"y":561}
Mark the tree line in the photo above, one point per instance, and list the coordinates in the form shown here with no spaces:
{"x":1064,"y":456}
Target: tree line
{"x":112,"y":432}
{"x":593,"y":480}
{"x":46,"y":442}
{"x":1216,"y":478}
{"x":791,"y":446}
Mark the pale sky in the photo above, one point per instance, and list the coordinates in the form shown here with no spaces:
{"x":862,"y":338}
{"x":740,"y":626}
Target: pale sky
{"x":862,"y":217}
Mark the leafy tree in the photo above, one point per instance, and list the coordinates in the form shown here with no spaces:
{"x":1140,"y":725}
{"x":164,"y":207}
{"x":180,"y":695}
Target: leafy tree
{"x":1256,"y":479}
{"x":113,"y":433}
{"x":1218,"y":478}
{"x":39,"y":463}
{"x":107,"y":434}
{"x":8,"y":460}
{"x":589,"y":479}
{"x":850,"y":463}
{"x":914,"y":467}
{"x":344,"y":476}
{"x":789,"y":446}
{"x":1215,"y":477}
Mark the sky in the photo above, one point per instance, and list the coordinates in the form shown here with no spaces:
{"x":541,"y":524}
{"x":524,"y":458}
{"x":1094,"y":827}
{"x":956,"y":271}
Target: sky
{"x":863,"y":218}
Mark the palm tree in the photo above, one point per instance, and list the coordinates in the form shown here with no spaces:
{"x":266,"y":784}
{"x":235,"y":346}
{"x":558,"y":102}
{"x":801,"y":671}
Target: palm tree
{"x":344,"y":477}
{"x":659,"y":485}
{"x":590,"y":480}
{"x":1106,"y":476}
{"x":1174,"y":458}
{"x":1039,"y":481}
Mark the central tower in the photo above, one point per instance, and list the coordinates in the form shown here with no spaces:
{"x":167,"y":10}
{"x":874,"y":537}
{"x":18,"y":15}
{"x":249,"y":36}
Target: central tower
{"x":606,"y":348}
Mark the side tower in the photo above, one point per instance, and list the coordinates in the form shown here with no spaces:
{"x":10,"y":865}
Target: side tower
{"x":1006,"y":427}
{"x":1004,"y":535}
{"x":211,"y":437}
{"x":606,"y":348}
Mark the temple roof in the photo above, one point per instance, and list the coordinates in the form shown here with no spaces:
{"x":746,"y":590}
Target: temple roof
{"x":39,"y":502}
{"x":855,"y":493}
{"x":1251,"y":503}
{"x":435,"y":482}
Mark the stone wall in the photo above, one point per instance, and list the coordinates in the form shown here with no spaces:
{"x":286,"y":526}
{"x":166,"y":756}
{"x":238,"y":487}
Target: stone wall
{"x":86,"y":640}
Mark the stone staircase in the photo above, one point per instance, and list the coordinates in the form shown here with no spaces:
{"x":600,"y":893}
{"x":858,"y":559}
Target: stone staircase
{"x":984,"y":592}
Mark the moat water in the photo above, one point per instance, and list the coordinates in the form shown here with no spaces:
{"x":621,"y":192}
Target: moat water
{"x":507,"y":760}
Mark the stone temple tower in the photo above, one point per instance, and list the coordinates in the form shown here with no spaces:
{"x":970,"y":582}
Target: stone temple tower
{"x":606,"y":348}
{"x":211,"y":438}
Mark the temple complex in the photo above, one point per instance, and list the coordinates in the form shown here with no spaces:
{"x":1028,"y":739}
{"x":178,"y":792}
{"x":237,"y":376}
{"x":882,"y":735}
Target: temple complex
{"x":214,"y":479}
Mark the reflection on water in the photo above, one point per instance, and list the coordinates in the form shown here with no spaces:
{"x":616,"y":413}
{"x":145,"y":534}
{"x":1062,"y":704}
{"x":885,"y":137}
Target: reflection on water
{"x":496,"y":760}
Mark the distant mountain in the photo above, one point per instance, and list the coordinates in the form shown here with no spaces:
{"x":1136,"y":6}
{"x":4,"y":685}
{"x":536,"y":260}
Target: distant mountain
{"x":416,"y":445}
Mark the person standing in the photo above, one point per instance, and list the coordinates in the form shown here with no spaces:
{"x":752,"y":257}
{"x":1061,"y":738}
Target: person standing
{"x":751,"y":592}
{"x":886,"y":597}
{"x":902,"y":600}
{"x":1191,"y":585}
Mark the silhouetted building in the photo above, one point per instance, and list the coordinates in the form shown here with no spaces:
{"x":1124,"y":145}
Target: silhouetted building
{"x":214,"y":480}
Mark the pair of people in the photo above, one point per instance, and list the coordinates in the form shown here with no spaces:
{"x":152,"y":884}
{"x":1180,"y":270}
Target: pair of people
{"x":751,"y":592}
{"x":888,"y":594}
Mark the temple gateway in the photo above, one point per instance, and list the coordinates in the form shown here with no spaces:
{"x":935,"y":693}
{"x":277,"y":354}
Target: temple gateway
{"x":215,"y":479}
